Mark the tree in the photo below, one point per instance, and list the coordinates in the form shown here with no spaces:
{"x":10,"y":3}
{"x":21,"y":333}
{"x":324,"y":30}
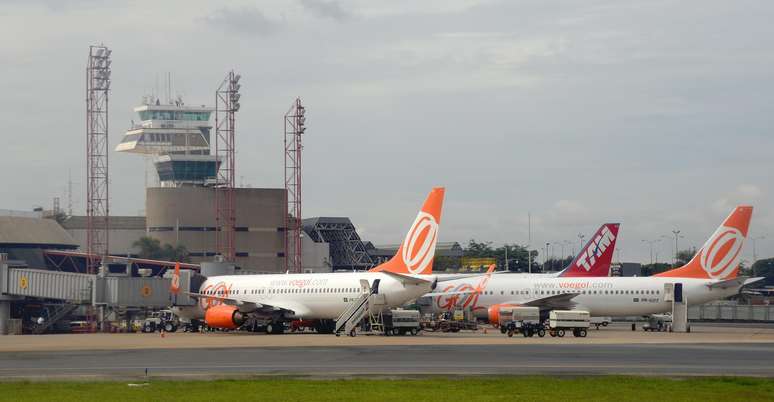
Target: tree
{"x":518,"y":257}
{"x":152,"y":249}
{"x":683,"y":256}
{"x":174,"y":253}
{"x":657,"y":268}
{"x":764,"y":268}
{"x":446,"y":263}
{"x":479,"y":250}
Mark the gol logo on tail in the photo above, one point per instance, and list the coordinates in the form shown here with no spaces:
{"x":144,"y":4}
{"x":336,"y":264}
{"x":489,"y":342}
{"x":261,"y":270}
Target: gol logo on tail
{"x":719,"y":256}
{"x":419,"y":245}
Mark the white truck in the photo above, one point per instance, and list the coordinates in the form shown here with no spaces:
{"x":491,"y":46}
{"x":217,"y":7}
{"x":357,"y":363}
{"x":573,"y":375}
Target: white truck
{"x":525,"y":320}
{"x":401,"y":322}
{"x":560,"y":321}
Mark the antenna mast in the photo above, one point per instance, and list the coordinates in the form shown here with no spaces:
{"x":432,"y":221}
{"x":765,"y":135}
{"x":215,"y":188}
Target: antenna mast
{"x":294,"y":127}
{"x":226,"y":105}
{"x":97,"y":195}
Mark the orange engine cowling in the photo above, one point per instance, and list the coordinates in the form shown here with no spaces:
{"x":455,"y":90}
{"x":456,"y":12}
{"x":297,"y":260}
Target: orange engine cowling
{"x":498,"y":311}
{"x":222,"y":316}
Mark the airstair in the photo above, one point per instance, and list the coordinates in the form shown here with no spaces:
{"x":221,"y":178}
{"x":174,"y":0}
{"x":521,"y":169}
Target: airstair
{"x":55,"y":313}
{"x":369,"y":300}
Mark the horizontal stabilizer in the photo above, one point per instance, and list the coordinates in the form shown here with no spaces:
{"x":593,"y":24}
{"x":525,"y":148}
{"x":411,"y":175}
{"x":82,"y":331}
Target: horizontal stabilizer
{"x":407,"y":278}
{"x":734,"y":282}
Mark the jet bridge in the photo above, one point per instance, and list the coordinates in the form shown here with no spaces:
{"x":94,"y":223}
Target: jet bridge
{"x":110,"y":291}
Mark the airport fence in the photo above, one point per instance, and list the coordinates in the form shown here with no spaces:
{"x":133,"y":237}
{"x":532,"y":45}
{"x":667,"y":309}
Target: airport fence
{"x":731,"y":312}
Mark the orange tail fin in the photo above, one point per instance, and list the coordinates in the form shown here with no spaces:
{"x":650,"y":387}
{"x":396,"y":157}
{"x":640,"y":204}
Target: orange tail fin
{"x":415,"y":255}
{"x":719,"y":257}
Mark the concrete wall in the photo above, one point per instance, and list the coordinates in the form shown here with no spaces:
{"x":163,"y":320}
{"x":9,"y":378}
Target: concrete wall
{"x":186,"y":215}
{"x":316,"y":257}
{"x":124,"y":231}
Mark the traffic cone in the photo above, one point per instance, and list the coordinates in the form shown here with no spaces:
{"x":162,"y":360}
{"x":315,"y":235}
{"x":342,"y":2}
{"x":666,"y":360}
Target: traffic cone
{"x":163,"y":333}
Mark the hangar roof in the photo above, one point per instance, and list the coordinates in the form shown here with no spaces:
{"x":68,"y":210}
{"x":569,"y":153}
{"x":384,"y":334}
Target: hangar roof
{"x":116,"y":222}
{"x":442,"y":249}
{"x":34,"y":231}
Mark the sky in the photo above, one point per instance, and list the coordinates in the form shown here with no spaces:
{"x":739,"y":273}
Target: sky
{"x":655,"y":114}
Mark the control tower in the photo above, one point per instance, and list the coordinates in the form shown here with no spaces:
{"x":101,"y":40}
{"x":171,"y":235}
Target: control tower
{"x":178,"y":137}
{"x":181,"y":210}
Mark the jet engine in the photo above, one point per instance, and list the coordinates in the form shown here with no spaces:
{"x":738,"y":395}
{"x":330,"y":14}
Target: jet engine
{"x":496,"y":311}
{"x":223,"y":316}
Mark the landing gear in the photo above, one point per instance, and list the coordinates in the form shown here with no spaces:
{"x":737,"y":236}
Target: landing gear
{"x":325,"y":326}
{"x":275,"y":327}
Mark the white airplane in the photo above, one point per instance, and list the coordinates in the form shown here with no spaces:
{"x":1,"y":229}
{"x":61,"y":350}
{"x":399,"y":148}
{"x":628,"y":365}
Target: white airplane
{"x":710,"y":275}
{"x":226,"y":301}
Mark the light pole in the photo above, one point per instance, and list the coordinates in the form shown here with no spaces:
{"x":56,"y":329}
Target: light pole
{"x":755,"y":253}
{"x":545,"y":259}
{"x":676,"y":232}
{"x":650,"y":243}
{"x":580,"y":242}
{"x":529,"y":242}
{"x":506,"y":257}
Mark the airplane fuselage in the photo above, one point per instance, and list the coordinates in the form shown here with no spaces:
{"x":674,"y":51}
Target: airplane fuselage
{"x":605,"y":296}
{"x":307,"y":296}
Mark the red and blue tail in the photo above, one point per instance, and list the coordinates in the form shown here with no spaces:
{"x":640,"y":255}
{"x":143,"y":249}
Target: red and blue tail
{"x":595,"y":257}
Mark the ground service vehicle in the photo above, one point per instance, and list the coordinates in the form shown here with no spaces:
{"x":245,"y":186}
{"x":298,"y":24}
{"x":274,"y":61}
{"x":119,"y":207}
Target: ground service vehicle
{"x":401,"y":322}
{"x":161,"y":320}
{"x":576,"y":321}
{"x":447,"y":322}
{"x":601,"y":321}
{"x":524,"y":320}
{"x":658,"y":323}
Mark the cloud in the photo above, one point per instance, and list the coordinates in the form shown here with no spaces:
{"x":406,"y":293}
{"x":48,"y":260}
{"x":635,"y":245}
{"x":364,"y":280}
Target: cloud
{"x":743,"y":194}
{"x":245,"y":20}
{"x":327,"y":9}
{"x":569,"y":207}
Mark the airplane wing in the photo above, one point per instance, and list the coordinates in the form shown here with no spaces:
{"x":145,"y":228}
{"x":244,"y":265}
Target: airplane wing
{"x":554,"y":302}
{"x":244,"y":305}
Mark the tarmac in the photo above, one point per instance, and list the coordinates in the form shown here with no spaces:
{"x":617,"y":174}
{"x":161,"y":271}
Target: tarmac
{"x":707,"y":350}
